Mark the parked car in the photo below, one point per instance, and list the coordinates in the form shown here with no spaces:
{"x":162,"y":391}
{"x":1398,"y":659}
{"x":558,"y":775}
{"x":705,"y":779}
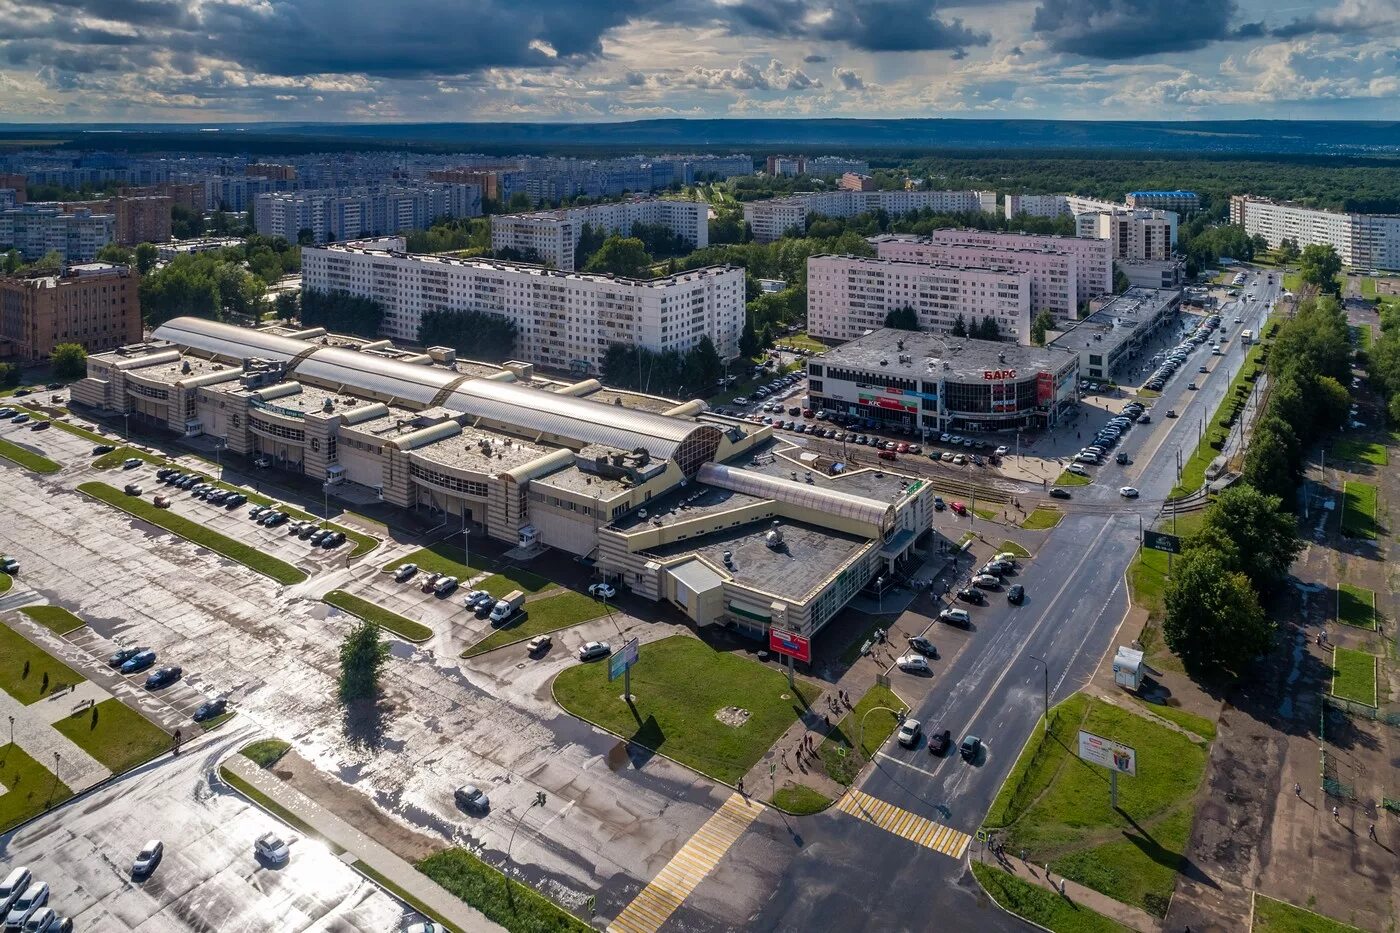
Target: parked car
{"x":922,"y":645}
{"x":13,"y":886}
{"x":1122,"y":458}
{"x":161,"y":502}
{"x":1058,"y":493}
{"x":131,"y":463}
{"x":271,"y":849}
{"x":1016,"y":594}
{"x":972,"y":595}
{"x":101,"y":449}
{"x":958,"y":508}
{"x":139,"y":661}
{"x":939,"y":742}
{"x":969,"y":748}
{"x":211,"y":709}
{"x":938,"y":504}
{"x":471,"y":798}
{"x":594,"y":650}
{"x":147,"y":859}
{"x":538,"y":645}
{"x":602,"y":591}
{"x":955,"y":616}
{"x":43,"y":920}
{"x":445,"y":585}
{"x":163,"y":677}
{"x":1171,"y":413}
{"x":909,"y":732}
{"x":34,"y":896}
{"x":1128,"y":492}
{"x":914,"y":664}
{"x":404,"y":572}
{"x":124,"y":655}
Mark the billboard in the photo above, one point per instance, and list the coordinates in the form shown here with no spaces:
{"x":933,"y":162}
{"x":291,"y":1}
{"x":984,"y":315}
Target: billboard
{"x":1044,"y":388}
{"x":622,"y":661}
{"x":1109,"y":754}
{"x":1161,"y":541}
{"x":790,"y":644}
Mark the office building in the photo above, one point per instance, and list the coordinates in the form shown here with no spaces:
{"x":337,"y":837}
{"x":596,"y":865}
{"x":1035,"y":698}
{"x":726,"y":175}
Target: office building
{"x":934,"y":384}
{"x":772,"y":218}
{"x":776,"y":165}
{"x":552,"y":237}
{"x":703,"y":514}
{"x":854,"y":181}
{"x":1155,"y":273}
{"x":93,"y":304}
{"x":37,"y":229}
{"x":169,"y":250}
{"x":1180,"y":202}
{"x":1133,"y":235}
{"x":1363,"y":241}
{"x":847,"y":296}
{"x":1110,"y":339}
{"x":564,"y":320}
{"x":346,"y":214}
{"x":1054,"y":274}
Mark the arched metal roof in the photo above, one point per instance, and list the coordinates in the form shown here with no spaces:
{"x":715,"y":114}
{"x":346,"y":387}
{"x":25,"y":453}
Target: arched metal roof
{"x":873,"y":512}
{"x":374,"y":375}
{"x":228,"y":341}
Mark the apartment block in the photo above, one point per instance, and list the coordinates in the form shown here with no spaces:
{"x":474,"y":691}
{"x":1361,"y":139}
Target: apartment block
{"x":15,"y":183}
{"x":847,"y":296}
{"x":1093,"y":258}
{"x":564,"y":320}
{"x":144,"y":219}
{"x":553,"y":236}
{"x":1134,"y":235}
{"x":495,"y":184}
{"x":1036,"y":205}
{"x":95,"y":305}
{"x":855,"y":181}
{"x":770,"y":219}
{"x":185,"y":195}
{"x":1054,"y":274}
{"x":270,"y":170}
{"x":346,"y":214}
{"x":836,"y":165}
{"x":36,"y":229}
{"x":1363,"y":241}
{"x":1182,"y":202}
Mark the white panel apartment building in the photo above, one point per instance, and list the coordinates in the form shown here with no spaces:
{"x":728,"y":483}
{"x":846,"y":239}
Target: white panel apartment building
{"x":553,"y":236}
{"x":1054,"y":274}
{"x":1093,"y":258}
{"x":849,"y":295}
{"x":1036,"y":205}
{"x":1133,"y":235}
{"x":770,"y":219}
{"x":1364,"y":241}
{"x":335,"y":214}
{"x":564,"y":320}
{"x":37,"y":229}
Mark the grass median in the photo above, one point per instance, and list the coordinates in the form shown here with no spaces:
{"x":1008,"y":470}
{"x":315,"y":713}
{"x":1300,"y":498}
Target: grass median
{"x":1354,"y":675}
{"x":1056,"y":806}
{"x":509,"y":903}
{"x":265,"y":752}
{"x":1193,"y":470}
{"x":114,"y":734}
{"x":29,"y":673}
{"x":448,"y":558}
{"x":28,"y":459}
{"x":1066,"y":478}
{"x":838,"y":750}
{"x":193,"y":531}
{"x":800,"y":800}
{"x":384,"y":618}
{"x":1274,"y":916}
{"x":1354,"y":450}
{"x":1044,"y":908}
{"x":1358,"y":509}
{"x":1012,"y":548}
{"x":713,"y":711}
{"x":30,"y":788}
{"x":1042,"y":518}
{"x":54,"y":618}
{"x":1356,"y":606}
{"x":540,"y":617}
{"x":116,"y":458}
{"x":1147,"y":574}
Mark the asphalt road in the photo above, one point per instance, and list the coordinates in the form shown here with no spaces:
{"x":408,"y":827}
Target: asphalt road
{"x":209,"y":878}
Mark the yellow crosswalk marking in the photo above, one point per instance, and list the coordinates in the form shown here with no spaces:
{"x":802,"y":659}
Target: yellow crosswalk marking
{"x":655,"y":903}
{"x":901,"y":822}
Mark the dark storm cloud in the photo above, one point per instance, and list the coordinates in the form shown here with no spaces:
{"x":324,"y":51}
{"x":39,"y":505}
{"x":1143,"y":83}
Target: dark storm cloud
{"x":869,"y":25}
{"x":1121,"y":29}
{"x":814,"y":59}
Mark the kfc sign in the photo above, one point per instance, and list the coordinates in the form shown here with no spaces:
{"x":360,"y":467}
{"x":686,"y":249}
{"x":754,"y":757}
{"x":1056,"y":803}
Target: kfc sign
{"x":994,"y":374}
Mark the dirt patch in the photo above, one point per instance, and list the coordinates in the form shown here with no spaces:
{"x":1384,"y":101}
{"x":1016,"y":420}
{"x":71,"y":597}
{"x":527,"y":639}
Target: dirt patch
{"x":732,"y":716}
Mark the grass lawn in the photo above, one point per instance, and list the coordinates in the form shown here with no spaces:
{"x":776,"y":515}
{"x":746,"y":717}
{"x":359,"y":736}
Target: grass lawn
{"x":1066,"y":478}
{"x":1042,"y":518}
{"x":803,"y":342}
{"x":245,"y":554}
{"x":1148,"y":394}
{"x":540,"y":616}
{"x":1056,"y":806}
{"x":30,"y":788}
{"x":54,"y":618}
{"x":1359,"y":451}
{"x":1354,"y":675}
{"x":1011,"y":547}
{"x":990,"y":515}
{"x":114,"y":734}
{"x":116,"y":458}
{"x":1356,"y":606}
{"x":1358,"y":509}
{"x":1362,"y":335}
{"x":1271,"y":916}
{"x":368,"y":871}
{"x":679,"y":684}
{"x":447,"y":558}
{"x":509,"y":903}
{"x":6,"y":581}
{"x":265,"y":752}
{"x":799,"y":800}
{"x":1040,"y":906}
{"x":404,"y":628}
{"x":1200,"y":725}
{"x":1147,"y":574}
{"x":838,"y":750}
{"x":1193,"y":471}
{"x":28,"y":459}
{"x":79,"y":431}
{"x":29,"y":673}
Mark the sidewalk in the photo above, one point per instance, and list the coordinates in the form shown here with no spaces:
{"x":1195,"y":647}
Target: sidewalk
{"x":418,"y":885}
{"x":1131,"y":917}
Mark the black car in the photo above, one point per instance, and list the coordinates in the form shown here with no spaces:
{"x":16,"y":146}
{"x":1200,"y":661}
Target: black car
{"x":54,"y":386}
{"x":1058,"y":493}
{"x":40,"y":426}
{"x":939,"y":742}
{"x":1122,"y":458}
{"x":1016,"y":594}
{"x":922,"y":645}
{"x":210,"y":709}
{"x":162,"y":677}
{"x":972,"y":595}
{"x":122,"y":656}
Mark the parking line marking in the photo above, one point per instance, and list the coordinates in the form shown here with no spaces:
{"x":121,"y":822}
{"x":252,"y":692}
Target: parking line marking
{"x":691,"y":864}
{"x":917,"y":829}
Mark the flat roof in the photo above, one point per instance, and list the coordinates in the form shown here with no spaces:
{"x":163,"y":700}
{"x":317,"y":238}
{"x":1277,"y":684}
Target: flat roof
{"x":966,"y":358}
{"x":465,"y":452}
{"x":173,"y":372}
{"x":808,"y":557}
{"x":1190,"y":194}
{"x":632,"y":400}
{"x":1117,"y":322}
{"x":684,"y":503}
{"x":871,"y":482}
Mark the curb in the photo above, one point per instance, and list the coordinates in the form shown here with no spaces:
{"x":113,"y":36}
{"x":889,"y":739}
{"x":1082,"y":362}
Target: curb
{"x":1004,"y":909}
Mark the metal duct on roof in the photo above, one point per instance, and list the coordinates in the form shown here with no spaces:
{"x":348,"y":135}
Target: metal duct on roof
{"x":873,"y":512}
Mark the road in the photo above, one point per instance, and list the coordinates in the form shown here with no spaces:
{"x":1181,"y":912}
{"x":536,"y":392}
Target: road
{"x":208,"y":878}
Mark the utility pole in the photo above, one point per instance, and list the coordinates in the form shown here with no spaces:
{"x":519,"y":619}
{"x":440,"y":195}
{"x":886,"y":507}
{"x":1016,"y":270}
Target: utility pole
{"x":539,"y":801}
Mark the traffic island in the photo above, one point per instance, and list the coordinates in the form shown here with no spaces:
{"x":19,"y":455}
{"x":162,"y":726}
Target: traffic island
{"x":1047,"y":909}
{"x":54,"y":618}
{"x":29,"y":787}
{"x":540,"y":617}
{"x":114,"y":734}
{"x":28,"y":459}
{"x":680,"y":686}
{"x":860,"y":733}
{"x":1354,"y":676}
{"x":1042,"y":518}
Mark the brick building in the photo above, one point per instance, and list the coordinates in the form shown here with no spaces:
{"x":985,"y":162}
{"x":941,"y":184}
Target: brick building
{"x":94,"y":304}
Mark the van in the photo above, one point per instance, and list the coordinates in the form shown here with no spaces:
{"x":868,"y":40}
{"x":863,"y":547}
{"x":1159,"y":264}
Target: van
{"x":507,"y":606}
{"x":12,"y":887}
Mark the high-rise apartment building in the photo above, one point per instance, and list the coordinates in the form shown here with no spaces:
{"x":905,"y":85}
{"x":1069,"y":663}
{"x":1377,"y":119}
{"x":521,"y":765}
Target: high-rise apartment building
{"x":270,"y":170}
{"x":144,"y":219}
{"x":1182,"y":202}
{"x":1054,"y":274}
{"x":36,"y":229}
{"x":564,"y":320}
{"x":552,"y":237}
{"x":1093,"y":258}
{"x":1363,"y":241}
{"x":772,"y":218}
{"x":1135,"y":235}
{"x":95,"y":305}
{"x":346,"y":214}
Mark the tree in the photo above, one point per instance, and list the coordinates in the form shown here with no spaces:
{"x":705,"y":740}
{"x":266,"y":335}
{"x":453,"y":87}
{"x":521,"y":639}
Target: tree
{"x":748,"y":339}
{"x":1214,"y":621}
{"x":306,"y":237}
{"x":1320,"y":266}
{"x":959,"y":327}
{"x":703,"y":367}
{"x":341,"y":312}
{"x":905,"y":318}
{"x":145,"y":255}
{"x":117,"y":255}
{"x":477,"y":335}
{"x":520,"y":201}
{"x":185,"y":223}
{"x":1332,"y":403}
{"x":68,"y":361}
{"x":1264,"y":534}
{"x":1288,"y":251}
{"x":362,"y":655}
{"x":10,"y":261}
{"x":1044,"y":321}
{"x":987,"y":330}
{"x":10,"y":375}
{"x":51,"y":263}
{"x":622,"y":256}
{"x":1120,"y":280}
{"x":1271,"y":462}
{"x":286,"y":305}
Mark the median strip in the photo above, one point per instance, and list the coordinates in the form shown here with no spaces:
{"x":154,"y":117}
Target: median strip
{"x":245,"y":554}
{"x":28,"y":459}
{"x":384,"y":618}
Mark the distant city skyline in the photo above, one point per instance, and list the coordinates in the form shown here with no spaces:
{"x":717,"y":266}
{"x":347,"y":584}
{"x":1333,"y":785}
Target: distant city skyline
{"x":163,"y":60}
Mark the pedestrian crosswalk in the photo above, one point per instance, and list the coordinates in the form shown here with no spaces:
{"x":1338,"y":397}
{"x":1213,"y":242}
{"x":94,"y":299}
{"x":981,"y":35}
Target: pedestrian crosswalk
{"x":687,"y":868}
{"x":911,"y":826}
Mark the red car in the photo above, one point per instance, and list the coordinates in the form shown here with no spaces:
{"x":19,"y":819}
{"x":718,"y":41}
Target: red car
{"x":903,"y":448}
{"x":888,"y":455}
{"x":958,"y":508}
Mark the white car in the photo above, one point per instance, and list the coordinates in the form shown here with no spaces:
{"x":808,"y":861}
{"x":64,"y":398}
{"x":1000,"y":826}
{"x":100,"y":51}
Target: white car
{"x":28,"y":903}
{"x":1078,"y":470}
{"x":602,"y":591}
{"x":909,"y":732}
{"x":427,"y":926}
{"x":956,"y":616}
{"x":271,"y":849}
{"x":1128,"y":492}
{"x":1003,"y":450}
{"x":147,"y":859}
{"x":914,"y":664}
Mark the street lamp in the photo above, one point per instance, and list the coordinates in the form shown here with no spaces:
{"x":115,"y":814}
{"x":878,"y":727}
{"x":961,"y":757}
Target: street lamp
{"x":1046,"y":668}
{"x":12,"y":730}
{"x":539,"y":801}
{"x":860,"y":725}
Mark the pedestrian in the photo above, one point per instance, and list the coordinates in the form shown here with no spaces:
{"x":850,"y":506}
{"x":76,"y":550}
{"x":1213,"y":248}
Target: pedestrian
{"x":826,"y":721}
{"x":1336,"y":815}
{"x":1371,"y":831}
{"x":1297,"y":789}
{"x":741,"y":785}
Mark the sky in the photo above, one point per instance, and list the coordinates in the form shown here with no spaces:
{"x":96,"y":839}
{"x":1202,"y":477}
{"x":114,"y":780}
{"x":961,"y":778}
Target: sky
{"x":610,"y":60}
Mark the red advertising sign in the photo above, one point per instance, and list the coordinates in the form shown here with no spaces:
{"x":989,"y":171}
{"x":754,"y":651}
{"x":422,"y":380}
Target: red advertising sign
{"x":992,"y":375}
{"x":1044,"y":388}
{"x":790,"y":644}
